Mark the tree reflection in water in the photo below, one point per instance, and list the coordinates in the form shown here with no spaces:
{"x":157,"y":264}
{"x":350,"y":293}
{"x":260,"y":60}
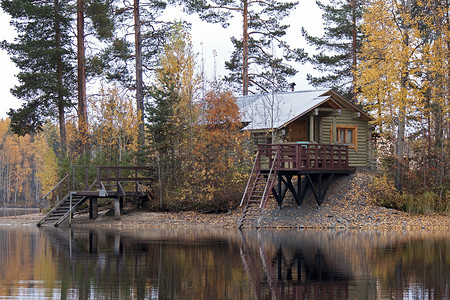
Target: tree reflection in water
{"x":222,"y":264}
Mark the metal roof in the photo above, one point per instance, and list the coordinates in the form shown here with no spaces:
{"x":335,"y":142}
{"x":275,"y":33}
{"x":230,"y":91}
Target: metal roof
{"x":275,"y":110}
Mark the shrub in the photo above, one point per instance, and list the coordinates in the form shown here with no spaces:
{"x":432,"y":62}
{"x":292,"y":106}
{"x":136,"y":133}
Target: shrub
{"x":384,"y":193}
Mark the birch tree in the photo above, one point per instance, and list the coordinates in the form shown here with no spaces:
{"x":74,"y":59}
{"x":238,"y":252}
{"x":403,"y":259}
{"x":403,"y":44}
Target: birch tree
{"x":171,"y":114}
{"x":386,"y":77}
{"x":403,"y":77}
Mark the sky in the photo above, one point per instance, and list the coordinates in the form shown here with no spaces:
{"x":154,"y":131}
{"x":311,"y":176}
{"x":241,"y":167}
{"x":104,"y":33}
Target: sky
{"x":210,"y":41}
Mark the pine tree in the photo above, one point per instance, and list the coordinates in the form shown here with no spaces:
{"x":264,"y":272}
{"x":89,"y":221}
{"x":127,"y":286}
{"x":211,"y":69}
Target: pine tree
{"x":338,"y":47}
{"x":43,"y":54}
{"x":255,"y":64}
{"x":98,"y":12}
{"x":132,"y":53}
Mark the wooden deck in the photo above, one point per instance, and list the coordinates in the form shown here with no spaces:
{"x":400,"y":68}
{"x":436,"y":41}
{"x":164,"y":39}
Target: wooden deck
{"x":93,"y":182}
{"x":293,"y":167}
{"x":303,"y":157}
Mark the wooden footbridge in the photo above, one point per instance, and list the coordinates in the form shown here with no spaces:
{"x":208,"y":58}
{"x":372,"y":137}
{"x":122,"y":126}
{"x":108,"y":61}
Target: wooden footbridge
{"x":278,"y":165}
{"x":91,"y":183}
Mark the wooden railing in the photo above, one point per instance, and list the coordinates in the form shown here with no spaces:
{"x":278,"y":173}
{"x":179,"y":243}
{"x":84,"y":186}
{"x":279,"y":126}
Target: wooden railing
{"x":126,"y":178}
{"x":87,"y":178}
{"x":303,"y":156}
{"x":57,"y":193}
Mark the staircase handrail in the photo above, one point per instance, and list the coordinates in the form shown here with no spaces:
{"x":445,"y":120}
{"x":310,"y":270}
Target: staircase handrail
{"x":52,"y":210}
{"x":268,"y":177}
{"x":60,"y":182}
{"x":250,"y":178}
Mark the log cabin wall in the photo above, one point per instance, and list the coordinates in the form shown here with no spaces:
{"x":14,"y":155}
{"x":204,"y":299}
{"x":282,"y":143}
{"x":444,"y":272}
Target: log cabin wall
{"x":358,"y":152}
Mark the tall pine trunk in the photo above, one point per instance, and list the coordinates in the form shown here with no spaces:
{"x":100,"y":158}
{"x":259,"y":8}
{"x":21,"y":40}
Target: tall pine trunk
{"x":139,"y":80}
{"x":59,"y":71}
{"x":245,"y":49}
{"x":82,"y":113}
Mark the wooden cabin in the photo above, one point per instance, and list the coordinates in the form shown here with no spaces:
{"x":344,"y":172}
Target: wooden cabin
{"x":317,"y":116}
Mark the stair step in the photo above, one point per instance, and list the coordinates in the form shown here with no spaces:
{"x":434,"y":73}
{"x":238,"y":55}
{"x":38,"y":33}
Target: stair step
{"x":62,"y":210}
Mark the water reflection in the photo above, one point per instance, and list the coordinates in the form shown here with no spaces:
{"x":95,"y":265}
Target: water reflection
{"x":222,"y":264}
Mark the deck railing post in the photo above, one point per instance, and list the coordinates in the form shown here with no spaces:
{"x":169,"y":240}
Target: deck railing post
{"x":98,"y":178}
{"x":135,"y":177}
{"x":278,"y":160}
{"x":315,"y":156}
{"x":332,"y":156}
{"x":306,"y":151}
{"x":118,"y":174}
{"x":346,"y":156}
{"x":322,"y":157}
{"x":86,"y":175}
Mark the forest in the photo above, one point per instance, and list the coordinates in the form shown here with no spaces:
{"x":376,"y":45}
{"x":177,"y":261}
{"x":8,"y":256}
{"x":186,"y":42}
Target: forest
{"x":115,"y":83}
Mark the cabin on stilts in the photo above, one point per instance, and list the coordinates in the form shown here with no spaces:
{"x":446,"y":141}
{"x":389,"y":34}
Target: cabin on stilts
{"x":90,"y":183}
{"x":302,"y":140}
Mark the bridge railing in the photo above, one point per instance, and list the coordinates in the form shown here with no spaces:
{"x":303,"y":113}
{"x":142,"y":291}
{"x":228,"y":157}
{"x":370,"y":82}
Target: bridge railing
{"x":303,"y":156}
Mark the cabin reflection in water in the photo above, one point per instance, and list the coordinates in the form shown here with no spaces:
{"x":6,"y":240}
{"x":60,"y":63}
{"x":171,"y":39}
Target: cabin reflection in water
{"x":245,"y":264}
{"x":285,"y":268}
{"x":222,"y":264}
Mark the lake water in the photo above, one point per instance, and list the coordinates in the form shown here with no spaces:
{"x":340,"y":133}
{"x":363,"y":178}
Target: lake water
{"x":51,"y":263}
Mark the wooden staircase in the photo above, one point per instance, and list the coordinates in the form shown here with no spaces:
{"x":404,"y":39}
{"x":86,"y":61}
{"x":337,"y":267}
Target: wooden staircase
{"x":257,"y":192}
{"x":63,"y":210}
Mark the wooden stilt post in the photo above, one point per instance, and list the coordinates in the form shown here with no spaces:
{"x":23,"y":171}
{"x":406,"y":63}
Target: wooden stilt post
{"x":280,"y":200}
{"x":121,"y":205}
{"x":93,"y":208}
{"x":117,"y":208}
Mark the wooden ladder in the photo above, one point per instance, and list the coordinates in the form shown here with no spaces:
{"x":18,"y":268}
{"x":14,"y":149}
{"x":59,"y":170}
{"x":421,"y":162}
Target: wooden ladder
{"x":256,"y":194}
{"x":62,"y":211}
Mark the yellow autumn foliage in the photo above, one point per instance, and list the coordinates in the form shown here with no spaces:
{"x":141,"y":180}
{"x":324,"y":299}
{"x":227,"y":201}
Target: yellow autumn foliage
{"x":403,"y":79}
{"x":114,"y":125}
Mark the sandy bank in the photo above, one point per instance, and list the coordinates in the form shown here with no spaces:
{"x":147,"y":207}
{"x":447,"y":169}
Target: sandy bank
{"x":347,"y":206}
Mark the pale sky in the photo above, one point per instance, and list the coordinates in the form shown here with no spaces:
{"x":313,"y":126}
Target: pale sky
{"x":206,"y":39}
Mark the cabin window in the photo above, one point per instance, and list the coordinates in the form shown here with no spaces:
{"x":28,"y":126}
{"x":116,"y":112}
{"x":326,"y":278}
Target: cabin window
{"x":347,"y":135}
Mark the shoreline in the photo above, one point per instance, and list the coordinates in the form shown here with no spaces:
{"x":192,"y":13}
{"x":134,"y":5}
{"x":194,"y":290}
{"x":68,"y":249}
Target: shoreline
{"x":347,"y":206}
{"x":134,"y":219}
